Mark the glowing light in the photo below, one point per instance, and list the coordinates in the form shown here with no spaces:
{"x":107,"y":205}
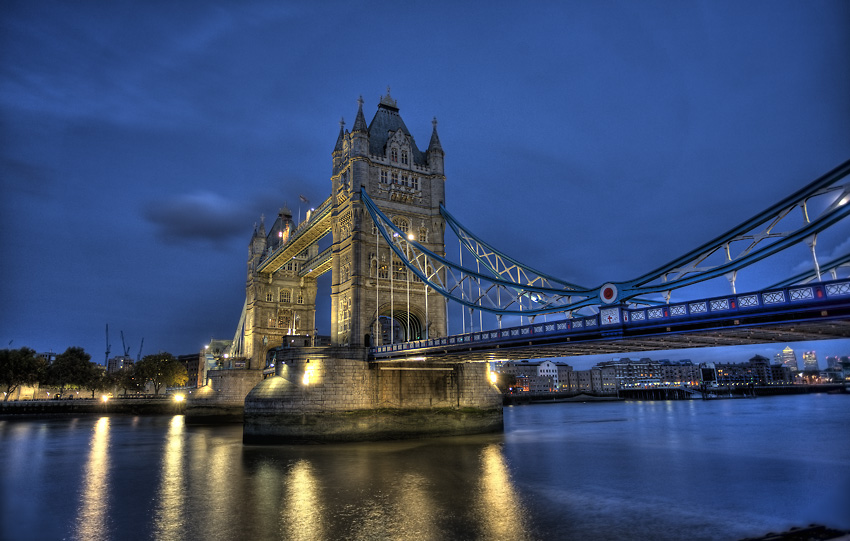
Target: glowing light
{"x":179,"y":398}
{"x":493,"y":377}
{"x":410,"y":236}
{"x":104,"y":398}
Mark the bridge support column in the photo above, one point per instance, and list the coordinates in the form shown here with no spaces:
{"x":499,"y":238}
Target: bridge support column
{"x":336,"y":395}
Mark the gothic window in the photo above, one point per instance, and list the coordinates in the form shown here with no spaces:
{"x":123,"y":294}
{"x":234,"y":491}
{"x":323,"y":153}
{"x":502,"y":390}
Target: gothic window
{"x":299,"y":299}
{"x":395,"y":177}
{"x":399,"y":270}
{"x":423,"y":234}
{"x":404,"y":157}
{"x":271,"y":322}
{"x":285,"y":295}
{"x":384,"y":179}
{"x":394,"y":154}
{"x":283,"y":322}
{"x":414,"y":182}
{"x":270,"y":297}
{"x":401,"y":223}
{"x":382,"y":271}
{"x":404,"y":179}
{"x":374,"y":228}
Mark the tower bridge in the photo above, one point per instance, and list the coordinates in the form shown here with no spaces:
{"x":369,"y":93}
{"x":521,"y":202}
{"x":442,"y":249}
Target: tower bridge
{"x":393,"y":370}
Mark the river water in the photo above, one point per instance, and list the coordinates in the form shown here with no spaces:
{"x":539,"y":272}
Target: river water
{"x":720,"y":469}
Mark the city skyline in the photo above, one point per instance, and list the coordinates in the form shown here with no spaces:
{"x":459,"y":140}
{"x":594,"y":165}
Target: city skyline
{"x":141,"y":143}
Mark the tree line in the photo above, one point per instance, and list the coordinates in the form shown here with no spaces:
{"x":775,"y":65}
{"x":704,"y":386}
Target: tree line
{"x":74,"y":369}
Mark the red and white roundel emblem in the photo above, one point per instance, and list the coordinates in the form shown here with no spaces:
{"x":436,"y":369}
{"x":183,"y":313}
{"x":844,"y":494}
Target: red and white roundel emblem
{"x":608,"y":293}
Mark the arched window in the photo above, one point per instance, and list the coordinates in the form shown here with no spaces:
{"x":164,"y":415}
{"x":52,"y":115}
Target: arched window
{"x":394,"y":154}
{"x":401,"y":223}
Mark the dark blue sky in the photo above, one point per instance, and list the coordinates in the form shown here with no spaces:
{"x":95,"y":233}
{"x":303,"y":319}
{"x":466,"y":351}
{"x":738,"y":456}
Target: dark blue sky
{"x":140,"y":141}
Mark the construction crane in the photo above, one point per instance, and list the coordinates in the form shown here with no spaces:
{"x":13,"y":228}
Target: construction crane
{"x":126,"y":349}
{"x":139,"y":356}
{"x":108,"y":347}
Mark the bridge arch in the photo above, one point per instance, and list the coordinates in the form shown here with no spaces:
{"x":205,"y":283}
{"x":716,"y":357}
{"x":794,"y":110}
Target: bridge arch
{"x":396,"y":324}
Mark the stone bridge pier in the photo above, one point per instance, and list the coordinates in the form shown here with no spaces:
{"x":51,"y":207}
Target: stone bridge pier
{"x":336,"y":394}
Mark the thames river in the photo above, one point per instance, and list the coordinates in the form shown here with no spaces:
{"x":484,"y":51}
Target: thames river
{"x":720,"y":469}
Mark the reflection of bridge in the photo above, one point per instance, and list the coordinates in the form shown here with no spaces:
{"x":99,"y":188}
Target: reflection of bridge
{"x":381,"y":234}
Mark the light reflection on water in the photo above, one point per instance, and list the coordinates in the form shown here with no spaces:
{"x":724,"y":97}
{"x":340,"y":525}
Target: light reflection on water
{"x":722,"y":470}
{"x":170,"y":513}
{"x":94,"y":503}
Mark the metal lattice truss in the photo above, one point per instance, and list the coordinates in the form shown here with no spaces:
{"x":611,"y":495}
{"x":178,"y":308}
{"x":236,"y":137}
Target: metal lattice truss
{"x":510,"y":289}
{"x":797,"y":218}
{"x":507,"y":286}
{"x":501,"y":265}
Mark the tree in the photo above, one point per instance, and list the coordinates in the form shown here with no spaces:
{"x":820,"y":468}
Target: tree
{"x":99,"y":379}
{"x":161,"y":369}
{"x":19,"y":367}
{"x":70,"y":369}
{"x":126,"y":379}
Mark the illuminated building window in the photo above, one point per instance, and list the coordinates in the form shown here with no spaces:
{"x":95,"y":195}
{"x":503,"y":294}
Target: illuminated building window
{"x":384,"y":177}
{"x":401,"y":223}
{"x":404,"y":157}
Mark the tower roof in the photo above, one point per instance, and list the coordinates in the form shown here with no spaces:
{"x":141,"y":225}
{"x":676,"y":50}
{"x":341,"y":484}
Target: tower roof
{"x":435,"y":139}
{"x":386,"y":121}
{"x":360,"y":121}
{"x":338,"y":145}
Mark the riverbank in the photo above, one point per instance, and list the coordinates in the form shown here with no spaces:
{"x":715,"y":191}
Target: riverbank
{"x":85,"y":406}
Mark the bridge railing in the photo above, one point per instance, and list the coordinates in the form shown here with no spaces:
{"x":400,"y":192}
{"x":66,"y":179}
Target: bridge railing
{"x":616,"y":318}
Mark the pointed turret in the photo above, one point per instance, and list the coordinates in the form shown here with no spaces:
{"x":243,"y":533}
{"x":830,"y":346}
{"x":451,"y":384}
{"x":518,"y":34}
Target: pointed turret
{"x":435,"y":150}
{"x":360,"y":121}
{"x":338,"y":146}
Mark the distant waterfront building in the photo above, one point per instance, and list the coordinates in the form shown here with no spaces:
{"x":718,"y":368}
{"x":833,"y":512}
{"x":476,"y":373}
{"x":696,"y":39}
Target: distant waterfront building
{"x":789,"y":358}
{"x":832,"y":362}
{"x":756,"y":371}
{"x":118,"y":363}
{"x":810,"y":361}
{"x":534,"y":376}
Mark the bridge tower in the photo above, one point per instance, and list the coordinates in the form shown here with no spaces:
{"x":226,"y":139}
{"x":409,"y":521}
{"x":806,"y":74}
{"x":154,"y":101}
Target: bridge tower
{"x":281,"y":304}
{"x":374,"y":299}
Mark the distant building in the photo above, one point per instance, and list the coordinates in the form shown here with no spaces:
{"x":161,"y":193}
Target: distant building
{"x":810,"y":362}
{"x":789,"y":358}
{"x":756,"y":371}
{"x":118,"y":363}
{"x":534,"y":376}
{"x":194,"y":363}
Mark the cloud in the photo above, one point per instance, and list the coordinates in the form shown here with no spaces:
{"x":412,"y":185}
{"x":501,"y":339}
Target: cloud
{"x":199,"y":217}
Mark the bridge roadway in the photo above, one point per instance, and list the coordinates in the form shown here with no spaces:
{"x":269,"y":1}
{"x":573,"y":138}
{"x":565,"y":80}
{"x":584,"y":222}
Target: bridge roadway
{"x":815,"y":311}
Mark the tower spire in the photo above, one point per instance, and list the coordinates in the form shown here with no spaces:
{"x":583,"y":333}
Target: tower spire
{"x":338,"y":145}
{"x":435,"y":139}
{"x":360,"y":121}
